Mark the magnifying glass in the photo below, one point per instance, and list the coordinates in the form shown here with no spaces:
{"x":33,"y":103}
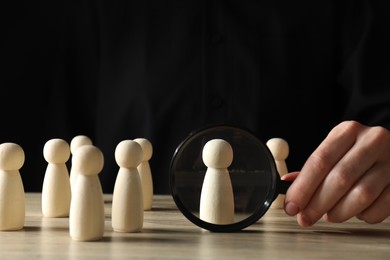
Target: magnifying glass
{"x":254,"y":179}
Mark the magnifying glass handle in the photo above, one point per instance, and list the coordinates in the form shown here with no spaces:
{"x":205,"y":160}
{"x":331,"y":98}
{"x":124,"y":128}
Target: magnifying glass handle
{"x":283,"y":186}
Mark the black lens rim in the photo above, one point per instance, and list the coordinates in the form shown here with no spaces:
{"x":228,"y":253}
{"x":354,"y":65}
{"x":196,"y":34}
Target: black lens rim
{"x":257,"y":214}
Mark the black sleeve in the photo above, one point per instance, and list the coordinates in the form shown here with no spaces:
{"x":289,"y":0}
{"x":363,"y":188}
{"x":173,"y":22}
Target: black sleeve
{"x":365,"y":54}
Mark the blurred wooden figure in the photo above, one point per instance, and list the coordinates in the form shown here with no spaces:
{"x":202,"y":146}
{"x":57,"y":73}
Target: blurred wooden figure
{"x":280,"y":150}
{"x":145,"y":172}
{"x":76,"y":142}
{"x":12,"y":197}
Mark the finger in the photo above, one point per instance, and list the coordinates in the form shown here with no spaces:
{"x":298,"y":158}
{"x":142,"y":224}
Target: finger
{"x":361,"y":195}
{"x":355,"y":163}
{"x":379,"y":210}
{"x":291,"y":176}
{"x":319,"y":164}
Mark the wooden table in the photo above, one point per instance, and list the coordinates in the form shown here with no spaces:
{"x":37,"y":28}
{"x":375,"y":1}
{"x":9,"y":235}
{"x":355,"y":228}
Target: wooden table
{"x":167,"y":234}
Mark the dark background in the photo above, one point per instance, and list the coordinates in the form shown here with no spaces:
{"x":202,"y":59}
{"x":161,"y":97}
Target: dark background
{"x":35,"y":104}
{"x":64,"y":65}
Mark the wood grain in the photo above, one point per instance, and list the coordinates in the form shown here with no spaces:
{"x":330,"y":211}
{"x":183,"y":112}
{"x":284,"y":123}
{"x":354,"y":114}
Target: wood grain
{"x":167,"y":234}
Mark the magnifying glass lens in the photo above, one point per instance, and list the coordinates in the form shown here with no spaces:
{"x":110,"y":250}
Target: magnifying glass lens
{"x":252,"y":173}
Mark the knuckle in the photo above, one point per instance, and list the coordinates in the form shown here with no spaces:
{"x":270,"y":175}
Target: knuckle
{"x":376,"y":213}
{"x":342,"y":177}
{"x":364,"y":195}
{"x":320,"y":161}
{"x":346,"y":127}
{"x":382,"y":139}
{"x":379,"y":135}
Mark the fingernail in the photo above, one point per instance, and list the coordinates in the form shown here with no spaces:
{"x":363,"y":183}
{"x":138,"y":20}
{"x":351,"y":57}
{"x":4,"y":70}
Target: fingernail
{"x":291,"y":209}
{"x":326,"y":218}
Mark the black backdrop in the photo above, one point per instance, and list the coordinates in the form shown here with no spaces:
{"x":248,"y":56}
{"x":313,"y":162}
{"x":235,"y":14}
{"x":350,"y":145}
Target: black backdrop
{"x":117,"y":70}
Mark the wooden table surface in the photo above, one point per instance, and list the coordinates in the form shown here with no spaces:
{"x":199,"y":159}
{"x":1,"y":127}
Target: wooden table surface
{"x":167,"y":234}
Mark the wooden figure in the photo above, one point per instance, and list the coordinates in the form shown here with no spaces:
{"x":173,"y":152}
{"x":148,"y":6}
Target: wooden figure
{"x":12,"y":199}
{"x":86,"y":217}
{"x":127,"y":214}
{"x":76,"y":142}
{"x":217,"y":201}
{"x":56,"y":191}
{"x":145,"y":172}
{"x":280,"y":150}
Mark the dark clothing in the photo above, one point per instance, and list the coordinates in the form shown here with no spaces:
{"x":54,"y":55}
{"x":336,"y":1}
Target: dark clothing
{"x":160,"y":69}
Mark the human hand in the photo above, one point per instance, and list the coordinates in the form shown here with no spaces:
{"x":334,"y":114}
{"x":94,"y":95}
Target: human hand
{"x":347,"y":175}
